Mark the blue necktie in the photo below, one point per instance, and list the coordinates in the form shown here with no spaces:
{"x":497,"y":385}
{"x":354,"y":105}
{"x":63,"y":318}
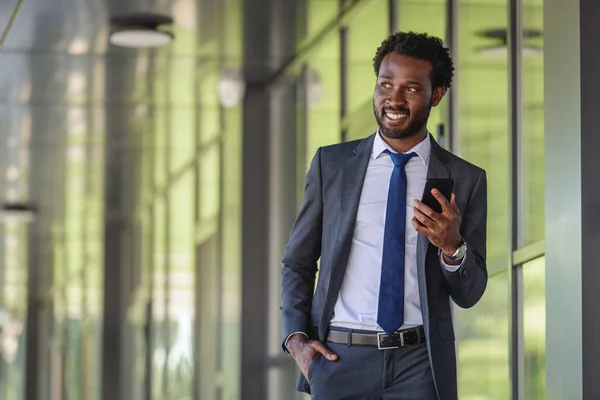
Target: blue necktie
{"x":390,"y":310}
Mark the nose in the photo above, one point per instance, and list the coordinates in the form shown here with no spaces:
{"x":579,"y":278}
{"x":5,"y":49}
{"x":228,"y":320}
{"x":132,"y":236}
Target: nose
{"x":396,"y":98}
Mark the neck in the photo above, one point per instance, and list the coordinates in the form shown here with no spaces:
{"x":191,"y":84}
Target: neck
{"x":405,"y":144}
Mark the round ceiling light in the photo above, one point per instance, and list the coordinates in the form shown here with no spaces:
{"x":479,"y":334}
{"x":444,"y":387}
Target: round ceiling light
{"x":137,"y":38}
{"x":140,"y":30}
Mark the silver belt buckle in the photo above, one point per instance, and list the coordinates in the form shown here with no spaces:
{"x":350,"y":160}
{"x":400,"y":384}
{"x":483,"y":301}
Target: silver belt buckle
{"x":399,"y":341}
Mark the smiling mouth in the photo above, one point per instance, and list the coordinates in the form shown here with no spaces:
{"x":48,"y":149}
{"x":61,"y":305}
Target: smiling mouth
{"x":395,"y":115}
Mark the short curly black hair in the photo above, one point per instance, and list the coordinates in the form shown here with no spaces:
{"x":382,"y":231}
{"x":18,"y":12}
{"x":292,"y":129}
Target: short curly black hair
{"x":422,"y":47}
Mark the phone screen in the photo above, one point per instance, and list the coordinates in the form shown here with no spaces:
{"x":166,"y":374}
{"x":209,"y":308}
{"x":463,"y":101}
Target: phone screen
{"x":444,"y":185}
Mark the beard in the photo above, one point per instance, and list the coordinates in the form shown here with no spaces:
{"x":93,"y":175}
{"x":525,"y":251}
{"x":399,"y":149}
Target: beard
{"x":413,"y":125}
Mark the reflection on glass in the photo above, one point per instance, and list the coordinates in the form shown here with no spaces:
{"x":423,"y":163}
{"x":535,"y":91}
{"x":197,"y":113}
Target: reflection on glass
{"x":365,"y":33}
{"x":482,"y":334}
{"x":322,"y":80}
{"x":13,"y":308}
{"x":181,"y":276}
{"x":482,"y":137}
{"x":425,"y":17}
{"x":533,"y":122}
{"x":319,"y":14}
{"x":158,"y":302}
{"x":534,"y":328}
{"x":483,"y":125}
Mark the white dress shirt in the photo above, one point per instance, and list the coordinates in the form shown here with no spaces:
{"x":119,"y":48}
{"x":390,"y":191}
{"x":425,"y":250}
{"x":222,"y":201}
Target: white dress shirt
{"x":357,"y":302}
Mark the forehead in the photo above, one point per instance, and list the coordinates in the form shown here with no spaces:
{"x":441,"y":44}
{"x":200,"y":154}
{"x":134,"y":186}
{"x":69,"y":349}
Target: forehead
{"x":399,"y":66}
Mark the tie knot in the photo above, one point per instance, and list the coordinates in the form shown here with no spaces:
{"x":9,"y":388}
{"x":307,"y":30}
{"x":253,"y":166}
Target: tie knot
{"x":400,"y":159}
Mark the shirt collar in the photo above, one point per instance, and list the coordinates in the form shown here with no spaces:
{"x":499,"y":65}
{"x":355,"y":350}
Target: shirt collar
{"x":423,"y":149}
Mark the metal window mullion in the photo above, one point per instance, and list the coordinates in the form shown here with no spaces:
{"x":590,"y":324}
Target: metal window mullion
{"x":452,"y":105}
{"x":343,"y":78}
{"x":393,"y":15}
{"x":515,"y":46}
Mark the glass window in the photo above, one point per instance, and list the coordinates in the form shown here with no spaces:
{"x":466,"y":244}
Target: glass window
{"x":366,"y":31}
{"x":230,"y":257}
{"x":483,"y":131}
{"x":13,"y":302}
{"x":482,"y":137}
{"x":534,"y":328}
{"x":158,"y":302}
{"x":482,"y":334}
{"x":319,"y":14}
{"x":322,"y":80}
{"x":428,"y":16}
{"x":533,"y":122}
{"x":181,"y":276}
{"x":181,"y":138}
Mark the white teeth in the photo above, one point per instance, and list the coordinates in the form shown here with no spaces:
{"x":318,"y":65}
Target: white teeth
{"x":395,"y":116}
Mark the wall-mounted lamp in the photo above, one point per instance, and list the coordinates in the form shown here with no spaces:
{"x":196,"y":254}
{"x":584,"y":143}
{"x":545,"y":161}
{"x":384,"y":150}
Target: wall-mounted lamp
{"x":231,"y":87}
{"x":140,"y":30}
{"x":17,"y":212}
{"x":499,"y":49}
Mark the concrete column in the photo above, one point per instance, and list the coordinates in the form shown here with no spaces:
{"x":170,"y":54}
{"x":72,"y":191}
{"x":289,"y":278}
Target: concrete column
{"x":572,"y":118}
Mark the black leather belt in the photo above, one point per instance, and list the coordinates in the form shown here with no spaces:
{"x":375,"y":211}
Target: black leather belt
{"x":406,"y":337}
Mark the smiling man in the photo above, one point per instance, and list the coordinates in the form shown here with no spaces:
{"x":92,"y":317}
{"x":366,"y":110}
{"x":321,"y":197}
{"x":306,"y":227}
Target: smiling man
{"x":378,"y":324}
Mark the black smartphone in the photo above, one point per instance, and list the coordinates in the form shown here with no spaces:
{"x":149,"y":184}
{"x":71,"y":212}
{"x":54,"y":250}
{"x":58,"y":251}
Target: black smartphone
{"x":444,"y":185}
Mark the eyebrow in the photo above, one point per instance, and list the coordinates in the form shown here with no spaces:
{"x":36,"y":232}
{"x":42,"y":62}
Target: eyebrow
{"x":409,"y":82}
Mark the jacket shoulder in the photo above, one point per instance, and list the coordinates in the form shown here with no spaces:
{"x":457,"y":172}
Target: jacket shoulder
{"x":339,"y":152}
{"x":463,"y":165}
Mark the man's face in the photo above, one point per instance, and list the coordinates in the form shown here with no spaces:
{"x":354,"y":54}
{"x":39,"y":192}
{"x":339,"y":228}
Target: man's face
{"x":403,"y":96}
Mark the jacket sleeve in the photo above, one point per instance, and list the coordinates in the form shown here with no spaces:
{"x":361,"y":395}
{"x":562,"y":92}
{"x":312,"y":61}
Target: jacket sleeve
{"x":299,"y":264}
{"x":466,"y":286}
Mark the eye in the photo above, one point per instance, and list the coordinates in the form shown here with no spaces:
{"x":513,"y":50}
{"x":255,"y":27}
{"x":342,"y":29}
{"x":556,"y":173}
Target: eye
{"x":385,"y":85}
{"x":411,"y":89}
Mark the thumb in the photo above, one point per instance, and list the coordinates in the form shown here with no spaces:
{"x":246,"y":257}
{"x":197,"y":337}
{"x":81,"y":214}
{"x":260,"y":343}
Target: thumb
{"x":327,"y":353}
{"x":453,"y":203}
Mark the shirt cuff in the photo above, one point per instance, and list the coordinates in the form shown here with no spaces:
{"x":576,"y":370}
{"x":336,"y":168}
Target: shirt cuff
{"x":292,"y":334}
{"x":449,"y":268}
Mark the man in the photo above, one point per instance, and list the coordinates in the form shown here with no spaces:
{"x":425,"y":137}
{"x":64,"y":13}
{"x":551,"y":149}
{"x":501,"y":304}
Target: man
{"x":378,"y":325}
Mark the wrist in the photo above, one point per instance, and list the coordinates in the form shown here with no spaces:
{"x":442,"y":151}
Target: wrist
{"x":295,"y":342}
{"x":454,"y":256}
{"x":450,"y":250}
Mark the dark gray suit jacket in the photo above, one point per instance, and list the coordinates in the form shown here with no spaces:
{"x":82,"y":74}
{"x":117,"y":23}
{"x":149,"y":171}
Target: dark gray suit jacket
{"x":324,"y":228}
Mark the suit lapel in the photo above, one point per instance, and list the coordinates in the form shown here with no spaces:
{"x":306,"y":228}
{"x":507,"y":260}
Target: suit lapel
{"x":352,"y":178}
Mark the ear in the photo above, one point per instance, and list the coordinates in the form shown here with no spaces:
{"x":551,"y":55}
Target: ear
{"x":437,"y":96}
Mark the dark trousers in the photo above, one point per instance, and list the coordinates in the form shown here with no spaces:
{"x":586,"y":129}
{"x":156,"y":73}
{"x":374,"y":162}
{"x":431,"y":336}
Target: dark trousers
{"x":366,"y":373}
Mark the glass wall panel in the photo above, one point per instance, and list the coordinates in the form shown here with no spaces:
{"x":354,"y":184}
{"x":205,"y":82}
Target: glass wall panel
{"x":319,"y":14}
{"x":182,"y":141}
{"x":322,"y":80}
{"x":160,"y":141}
{"x":366,"y":30}
{"x":483,"y":130}
{"x":534,"y":328}
{"x":13,"y":310}
{"x":231,"y":257}
{"x":425,"y":16}
{"x":181,"y":276}
{"x":482,"y":333}
{"x":482,"y":137}
{"x":159,"y":356}
{"x":533,"y":122}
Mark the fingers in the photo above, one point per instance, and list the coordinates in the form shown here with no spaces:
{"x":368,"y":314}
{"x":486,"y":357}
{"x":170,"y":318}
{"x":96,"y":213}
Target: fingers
{"x":453,"y":204}
{"x":419,"y":227}
{"x":422,"y":218}
{"x":424,"y":209}
{"x":441,"y":199}
{"x":321,"y":348}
